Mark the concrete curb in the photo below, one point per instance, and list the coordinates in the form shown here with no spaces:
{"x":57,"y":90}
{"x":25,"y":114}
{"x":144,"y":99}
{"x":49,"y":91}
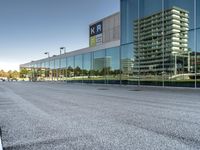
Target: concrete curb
{"x":1,"y":146}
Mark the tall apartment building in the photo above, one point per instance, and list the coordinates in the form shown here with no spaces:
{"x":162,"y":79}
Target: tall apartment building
{"x":159,"y":40}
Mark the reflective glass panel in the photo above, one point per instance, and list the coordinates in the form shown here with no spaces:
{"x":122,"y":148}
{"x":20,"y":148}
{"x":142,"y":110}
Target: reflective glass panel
{"x":197,"y":2}
{"x":198,"y":43}
{"x":87,"y":67}
{"x":148,"y":43}
{"x":52,"y":64}
{"x":99,"y":62}
{"x":70,"y":67}
{"x":78,"y":68}
{"x":179,"y":43}
{"x":127,"y":64}
{"x":57,"y":63}
{"x":113,"y":65}
{"x":63,"y":63}
{"x":129,"y":13}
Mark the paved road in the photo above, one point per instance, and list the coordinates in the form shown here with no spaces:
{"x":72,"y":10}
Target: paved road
{"x":44,"y":116}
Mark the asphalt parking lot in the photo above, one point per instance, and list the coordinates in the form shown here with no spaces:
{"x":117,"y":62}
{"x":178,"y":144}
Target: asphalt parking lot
{"x":44,"y":116}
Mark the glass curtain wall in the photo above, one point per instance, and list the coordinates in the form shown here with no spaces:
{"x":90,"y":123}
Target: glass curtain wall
{"x":70,"y":68}
{"x":160,"y":45}
{"x":127,"y":65}
{"x":52,"y":70}
{"x":57,"y":68}
{"x":99,"y":66}
{"x":78,"y":73}
{"x":39,"y":71}
{"x":165,"y":48}
{"x":181,"y":41}
{"x":33,"y":72}
{"x":148,"y":44}
{"x":129,"y":12}
{"x":87,"y":67}
{"x":63,"y":71}
{"x":129,"y":68}
{"x":112,"y":61}
{"x":198,"y":58}
{"x":42,"y":71}
{"x":102,"y":66}
{"x":198,"y":43}
{"x":47,"y":70}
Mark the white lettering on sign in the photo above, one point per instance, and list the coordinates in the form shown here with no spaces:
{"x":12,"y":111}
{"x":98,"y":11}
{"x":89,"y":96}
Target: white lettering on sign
{"x":92,"y":30}
{"x":99,"y":39}
{"x":99,"y":28}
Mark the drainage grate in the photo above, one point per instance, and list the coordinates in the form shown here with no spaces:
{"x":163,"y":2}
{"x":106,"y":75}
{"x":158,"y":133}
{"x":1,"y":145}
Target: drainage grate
{"x":102,"y":89}
{"x":135,"y":90}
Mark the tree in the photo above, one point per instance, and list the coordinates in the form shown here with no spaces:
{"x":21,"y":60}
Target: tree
{"x":23,"y":73}
{"x":3,"y":73}
{"x":9,"y":74}
{"x":15,"y":74}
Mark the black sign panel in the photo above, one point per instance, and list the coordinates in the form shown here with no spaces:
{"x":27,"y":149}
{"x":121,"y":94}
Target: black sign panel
{"x":96,"y":29}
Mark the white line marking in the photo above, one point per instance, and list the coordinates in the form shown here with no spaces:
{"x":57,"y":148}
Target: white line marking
{"x":1,"y":148}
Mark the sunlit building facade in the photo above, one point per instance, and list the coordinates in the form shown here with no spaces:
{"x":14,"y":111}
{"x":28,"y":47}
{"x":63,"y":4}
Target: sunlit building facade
{"x":144,"y":44}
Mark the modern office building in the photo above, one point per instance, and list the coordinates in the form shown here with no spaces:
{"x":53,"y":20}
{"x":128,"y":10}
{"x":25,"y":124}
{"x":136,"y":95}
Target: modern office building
{"x":144,"y":44}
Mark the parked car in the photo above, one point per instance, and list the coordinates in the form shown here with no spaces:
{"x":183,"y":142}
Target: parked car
{"x":2,"y":80}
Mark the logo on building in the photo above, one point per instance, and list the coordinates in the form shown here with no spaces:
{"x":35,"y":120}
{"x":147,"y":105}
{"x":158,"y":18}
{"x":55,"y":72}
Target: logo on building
{"x":96,"y":36}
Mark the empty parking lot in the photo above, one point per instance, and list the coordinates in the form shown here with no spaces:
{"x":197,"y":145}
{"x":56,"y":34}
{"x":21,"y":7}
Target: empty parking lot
{"x":70,"y":116}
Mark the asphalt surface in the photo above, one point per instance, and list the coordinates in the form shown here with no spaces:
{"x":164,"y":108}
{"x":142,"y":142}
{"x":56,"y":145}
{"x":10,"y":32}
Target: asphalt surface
{"x":48,"y":116}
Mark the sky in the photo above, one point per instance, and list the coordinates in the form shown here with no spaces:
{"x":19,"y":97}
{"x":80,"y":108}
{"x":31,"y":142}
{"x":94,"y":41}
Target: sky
{"x":28,"y":28}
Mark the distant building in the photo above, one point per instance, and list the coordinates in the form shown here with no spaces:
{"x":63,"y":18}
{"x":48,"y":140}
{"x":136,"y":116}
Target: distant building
{"x":102,"y":63}
{"x":127,"y":66}
{"x":164,"y":32}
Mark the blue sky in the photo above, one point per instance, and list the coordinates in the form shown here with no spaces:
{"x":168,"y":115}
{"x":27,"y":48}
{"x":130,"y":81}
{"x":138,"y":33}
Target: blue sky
{"x":28,"y":28}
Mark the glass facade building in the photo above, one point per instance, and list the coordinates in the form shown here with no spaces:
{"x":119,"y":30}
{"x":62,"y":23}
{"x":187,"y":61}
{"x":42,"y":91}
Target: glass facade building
{"x":159,"y":45}
{"x":164,"y":38}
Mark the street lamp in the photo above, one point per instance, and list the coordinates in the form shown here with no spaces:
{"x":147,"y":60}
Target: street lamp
{"x":175,"y":62}
{"x":47,"y":53}
{"x":62,"y":48}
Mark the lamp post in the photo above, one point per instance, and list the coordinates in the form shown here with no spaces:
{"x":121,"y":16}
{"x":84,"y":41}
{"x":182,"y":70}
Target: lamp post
{"x":47,"y":53}
{"x":175,"y":62}
{"x":189,"y":61}
{"x":64,"y":49}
